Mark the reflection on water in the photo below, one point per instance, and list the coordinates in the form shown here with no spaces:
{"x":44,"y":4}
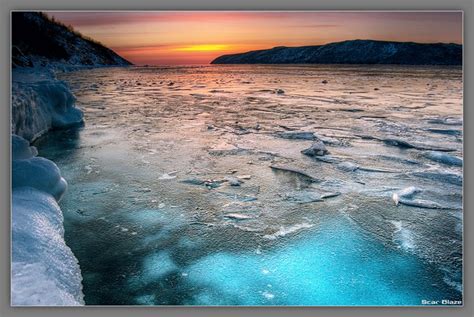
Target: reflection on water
{"x":172,"y":200}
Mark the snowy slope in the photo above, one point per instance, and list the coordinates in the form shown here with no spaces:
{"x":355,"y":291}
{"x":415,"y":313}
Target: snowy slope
{"x":44,"y":270}
{"x":353,"y":52}
{"x":39,"y":41}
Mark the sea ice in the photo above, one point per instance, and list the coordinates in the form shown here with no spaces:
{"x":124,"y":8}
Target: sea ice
{"x":313,"y":270}
{"x":335,"y":262}
{"x":443,"y":158}
{"x":287,"y":230}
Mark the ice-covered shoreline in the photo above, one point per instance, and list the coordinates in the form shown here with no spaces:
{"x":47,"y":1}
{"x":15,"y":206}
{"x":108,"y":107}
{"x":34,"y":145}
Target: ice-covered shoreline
{"x":44,"y":270}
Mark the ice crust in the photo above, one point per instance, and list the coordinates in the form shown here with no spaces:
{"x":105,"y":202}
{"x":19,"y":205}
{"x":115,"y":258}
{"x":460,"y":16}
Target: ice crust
{"x":44,"y":270}
{"x":40,"y":102}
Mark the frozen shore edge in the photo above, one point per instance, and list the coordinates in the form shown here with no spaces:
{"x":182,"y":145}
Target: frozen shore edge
{"x":44,"y":271}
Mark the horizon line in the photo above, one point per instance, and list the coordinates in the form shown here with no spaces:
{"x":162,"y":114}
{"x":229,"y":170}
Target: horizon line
{"x":283,"y":46}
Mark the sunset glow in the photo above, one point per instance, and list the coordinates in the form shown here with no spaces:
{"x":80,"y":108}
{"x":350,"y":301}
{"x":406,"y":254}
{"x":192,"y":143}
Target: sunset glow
{"x":183,"y":37}
{"x":203,"y":48}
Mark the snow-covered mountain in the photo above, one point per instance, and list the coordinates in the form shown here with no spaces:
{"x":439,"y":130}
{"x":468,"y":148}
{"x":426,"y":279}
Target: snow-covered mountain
{"x":353,"y":52}
{"x":38,"y":40}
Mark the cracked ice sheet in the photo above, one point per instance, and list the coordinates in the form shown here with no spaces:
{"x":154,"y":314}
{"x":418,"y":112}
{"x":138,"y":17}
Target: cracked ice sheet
{"x":137,"y":133}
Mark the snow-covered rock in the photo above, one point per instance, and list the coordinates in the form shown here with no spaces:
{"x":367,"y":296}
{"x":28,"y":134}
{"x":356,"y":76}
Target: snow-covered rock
{"x":40,"y":102}
{"x":44,"y":270}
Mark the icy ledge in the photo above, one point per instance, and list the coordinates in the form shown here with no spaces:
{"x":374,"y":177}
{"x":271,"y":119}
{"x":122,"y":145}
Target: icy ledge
{"x":40,"y":102}
{"x":44,"y":270}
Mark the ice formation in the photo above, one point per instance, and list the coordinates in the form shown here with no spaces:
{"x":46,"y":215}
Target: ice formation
{"x":443,"y":158}
{"x":44,"y":270}
{"x":40,"y":103}
{"x":47,"y":177}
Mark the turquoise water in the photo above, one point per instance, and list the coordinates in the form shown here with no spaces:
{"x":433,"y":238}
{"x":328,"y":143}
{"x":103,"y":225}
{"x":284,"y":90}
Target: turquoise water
{"x":333,"y":265}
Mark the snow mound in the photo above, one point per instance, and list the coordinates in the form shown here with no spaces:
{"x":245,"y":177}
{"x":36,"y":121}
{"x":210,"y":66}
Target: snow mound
{"x":21,"y":148}
{"x":38,"y":173}
{"x":44,"y":270}
{"x":42,"y":104}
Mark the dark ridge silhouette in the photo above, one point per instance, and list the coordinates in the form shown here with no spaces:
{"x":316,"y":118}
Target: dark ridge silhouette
{"x":38,"y":40}
{"x":353,"y":52}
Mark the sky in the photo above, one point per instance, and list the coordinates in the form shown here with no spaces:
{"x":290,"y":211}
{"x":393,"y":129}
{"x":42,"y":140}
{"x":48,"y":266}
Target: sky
{"x":185,"y":37}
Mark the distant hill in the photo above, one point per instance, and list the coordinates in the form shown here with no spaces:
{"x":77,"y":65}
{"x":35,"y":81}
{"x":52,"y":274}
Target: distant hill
{"x":38,"y":40}
{"x":353,"y":52}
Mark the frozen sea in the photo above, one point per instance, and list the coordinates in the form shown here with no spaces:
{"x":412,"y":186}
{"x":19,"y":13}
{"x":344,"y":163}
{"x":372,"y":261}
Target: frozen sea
{"x":187,"y":185}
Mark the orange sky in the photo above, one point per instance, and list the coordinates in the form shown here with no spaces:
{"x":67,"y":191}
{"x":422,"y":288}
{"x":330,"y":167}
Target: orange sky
{"x":184,"y":37}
